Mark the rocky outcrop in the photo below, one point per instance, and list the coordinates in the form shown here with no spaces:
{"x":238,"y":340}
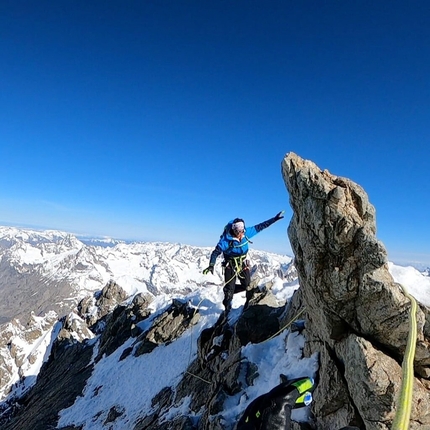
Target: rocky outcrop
{"x":121,"y":324}
{"x":61,"y":379}
{"x":169,"y":326}
{"x":220,"y":371}
{"x":354,"y":316}
{"x":357,"y":316}
{"x":15,"y":339}
{"x":94,"y":308}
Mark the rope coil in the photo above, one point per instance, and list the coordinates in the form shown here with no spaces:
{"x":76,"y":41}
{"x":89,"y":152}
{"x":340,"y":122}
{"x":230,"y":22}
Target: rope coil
{"x":403,"y":413}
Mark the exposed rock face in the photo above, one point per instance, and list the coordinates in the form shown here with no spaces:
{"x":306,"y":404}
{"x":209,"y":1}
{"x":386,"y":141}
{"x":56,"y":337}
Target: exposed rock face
{"x":93,"y":308}
{"x":120,"y":324}
{"x":14,"y":358}
{"x":357,"y":316}
{"x":220,"y":371}
{"x":170,"y":325}
{"x":41,"y":294}
{"x":61,"y":379}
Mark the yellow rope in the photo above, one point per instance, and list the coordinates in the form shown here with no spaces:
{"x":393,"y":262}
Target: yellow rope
{"x":282,"y":329}
{"x":198,"y":377}
{"x":288,"y":324}
{"x":237,"y":268}
{"x":237,"y":271}
{"x":403,"y":413}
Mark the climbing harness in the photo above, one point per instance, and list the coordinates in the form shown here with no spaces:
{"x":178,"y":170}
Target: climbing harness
{"x":237,"y":264}
{"x":403,"y":413}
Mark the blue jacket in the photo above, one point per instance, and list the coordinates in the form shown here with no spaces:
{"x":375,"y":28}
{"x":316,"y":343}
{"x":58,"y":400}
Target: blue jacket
{"x":231,"y":247}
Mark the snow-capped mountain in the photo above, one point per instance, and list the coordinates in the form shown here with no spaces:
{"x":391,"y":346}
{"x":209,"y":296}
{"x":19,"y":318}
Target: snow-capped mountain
{"x":45,"y":274}
{"x":112,"y":375}
{"x":52,"y":270}
{"x":106,"y":242}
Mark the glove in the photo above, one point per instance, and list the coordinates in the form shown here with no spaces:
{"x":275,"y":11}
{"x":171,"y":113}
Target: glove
{"x":208,"y":269}
{"x":279,"y":216}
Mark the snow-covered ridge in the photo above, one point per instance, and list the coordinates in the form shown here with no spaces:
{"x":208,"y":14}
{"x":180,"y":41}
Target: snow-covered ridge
{"x":43,"y":260}
{"x":165,"y":270}
{"x":23,"y":350}
{"x":137,"y":267}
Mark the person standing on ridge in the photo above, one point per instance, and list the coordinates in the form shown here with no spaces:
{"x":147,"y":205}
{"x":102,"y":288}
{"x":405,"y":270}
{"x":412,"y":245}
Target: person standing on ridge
{"x":233,"y":244}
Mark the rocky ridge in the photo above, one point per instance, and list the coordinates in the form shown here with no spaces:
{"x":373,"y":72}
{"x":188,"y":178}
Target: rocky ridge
{"x":215,"y":374}
{"x":355,"y":319}
{"x":357,"y":316}
{"x":46,"y":275}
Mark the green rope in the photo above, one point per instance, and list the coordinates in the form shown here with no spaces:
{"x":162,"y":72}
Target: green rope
{"x":403,"y":413}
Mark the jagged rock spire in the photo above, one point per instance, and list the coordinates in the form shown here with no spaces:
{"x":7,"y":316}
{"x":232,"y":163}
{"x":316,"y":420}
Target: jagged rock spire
{"x":357,"y":314}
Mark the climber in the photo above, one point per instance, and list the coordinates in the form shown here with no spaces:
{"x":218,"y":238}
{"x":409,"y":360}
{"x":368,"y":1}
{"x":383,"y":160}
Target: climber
{"x":233,"y":244}
{"x":272,"y":411}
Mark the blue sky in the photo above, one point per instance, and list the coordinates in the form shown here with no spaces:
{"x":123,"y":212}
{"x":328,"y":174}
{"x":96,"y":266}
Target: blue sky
{"x":163,"y":120}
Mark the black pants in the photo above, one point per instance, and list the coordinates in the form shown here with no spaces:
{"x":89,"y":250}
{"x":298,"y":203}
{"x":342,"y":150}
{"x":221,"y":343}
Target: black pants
{"x":230,"y":275}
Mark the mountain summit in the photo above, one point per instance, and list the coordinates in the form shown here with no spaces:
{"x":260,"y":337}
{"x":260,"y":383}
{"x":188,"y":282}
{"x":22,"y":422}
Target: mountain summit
{"x":133,"y":336}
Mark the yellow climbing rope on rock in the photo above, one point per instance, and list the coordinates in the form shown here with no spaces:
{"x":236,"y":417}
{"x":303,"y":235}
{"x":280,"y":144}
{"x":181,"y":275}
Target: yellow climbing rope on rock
{"x":403,"y":413}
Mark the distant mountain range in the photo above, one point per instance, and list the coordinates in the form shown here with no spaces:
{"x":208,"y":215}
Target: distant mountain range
{"x":45,"y":274}
{"x":41,"y":271}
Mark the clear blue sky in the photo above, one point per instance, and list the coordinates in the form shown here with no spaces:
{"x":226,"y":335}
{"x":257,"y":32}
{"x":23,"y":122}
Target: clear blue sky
{"x":162,"y":120}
